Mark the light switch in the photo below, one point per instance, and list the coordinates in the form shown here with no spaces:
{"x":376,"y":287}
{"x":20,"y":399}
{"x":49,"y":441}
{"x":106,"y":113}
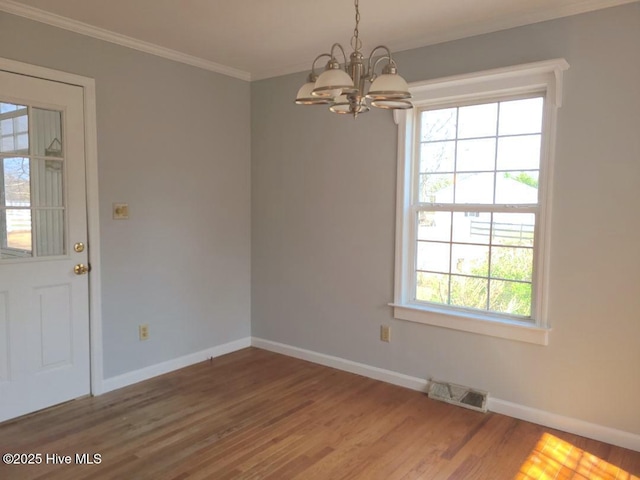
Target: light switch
{"x":120,"y":211}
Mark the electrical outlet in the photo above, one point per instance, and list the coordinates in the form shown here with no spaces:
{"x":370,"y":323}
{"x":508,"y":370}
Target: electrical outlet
{"x":385,"y":333}
{"x":143,"y":330}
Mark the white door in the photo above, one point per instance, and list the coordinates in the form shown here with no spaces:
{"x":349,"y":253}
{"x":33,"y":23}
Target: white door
{"x":44,"y":303}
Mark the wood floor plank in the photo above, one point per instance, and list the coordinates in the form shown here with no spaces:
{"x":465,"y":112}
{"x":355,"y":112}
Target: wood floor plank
{"x":254,"y":414}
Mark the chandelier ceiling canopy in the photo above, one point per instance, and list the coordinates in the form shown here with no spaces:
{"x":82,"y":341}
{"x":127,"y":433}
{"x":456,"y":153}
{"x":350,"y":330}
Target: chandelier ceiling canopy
{"x":344,"y":89}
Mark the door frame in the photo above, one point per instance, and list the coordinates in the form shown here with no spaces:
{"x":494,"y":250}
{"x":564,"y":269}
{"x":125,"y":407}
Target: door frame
{"x":88,"y":86}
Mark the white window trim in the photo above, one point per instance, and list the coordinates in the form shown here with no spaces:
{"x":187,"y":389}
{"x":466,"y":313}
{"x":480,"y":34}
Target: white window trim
{"x":545,"y":77}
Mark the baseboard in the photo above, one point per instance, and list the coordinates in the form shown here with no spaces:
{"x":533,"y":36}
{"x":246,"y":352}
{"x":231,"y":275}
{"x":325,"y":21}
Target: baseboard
{"x":376,"y":373}
{"x":541,"y":417}
{"x":136,"y":376}
{"x":566,"y":424}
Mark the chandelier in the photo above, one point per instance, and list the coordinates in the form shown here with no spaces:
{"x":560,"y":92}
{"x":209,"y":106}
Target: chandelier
{"x":344,"y":91}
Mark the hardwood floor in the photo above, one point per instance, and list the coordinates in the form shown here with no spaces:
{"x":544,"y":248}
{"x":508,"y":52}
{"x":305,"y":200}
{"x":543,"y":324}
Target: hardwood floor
{"x":254,"y":414}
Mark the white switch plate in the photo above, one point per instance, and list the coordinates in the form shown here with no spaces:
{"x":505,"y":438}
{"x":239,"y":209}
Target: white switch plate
{"x":120,"y":211}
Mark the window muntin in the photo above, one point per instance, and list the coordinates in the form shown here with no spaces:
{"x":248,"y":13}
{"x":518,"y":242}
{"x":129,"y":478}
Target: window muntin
{"x":477,"y":204}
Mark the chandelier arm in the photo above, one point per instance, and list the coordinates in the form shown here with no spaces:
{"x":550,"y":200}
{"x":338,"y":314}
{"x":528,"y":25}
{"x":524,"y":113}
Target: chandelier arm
{"x":313,"y":65}
{"x":344,"y":55}
{"x":370,"y":71}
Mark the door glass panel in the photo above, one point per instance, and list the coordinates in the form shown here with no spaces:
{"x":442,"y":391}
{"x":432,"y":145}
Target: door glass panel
{"x":15,"y":191}
{"x":14,"y":129}
{"x":47,"y":133}
{"x":32,"y":214}
{"x":50,"y":227}
{"x":47,"y":183}
{"x":16,"y":233}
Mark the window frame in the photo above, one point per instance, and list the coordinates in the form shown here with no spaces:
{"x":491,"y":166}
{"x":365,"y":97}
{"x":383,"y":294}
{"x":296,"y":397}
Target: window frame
{"x":539,"y":78}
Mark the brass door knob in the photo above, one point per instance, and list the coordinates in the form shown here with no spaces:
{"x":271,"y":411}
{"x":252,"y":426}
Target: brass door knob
{"x":80,"y":269}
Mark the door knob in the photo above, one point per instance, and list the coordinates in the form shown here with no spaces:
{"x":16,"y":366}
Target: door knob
{"x":80,"y":269}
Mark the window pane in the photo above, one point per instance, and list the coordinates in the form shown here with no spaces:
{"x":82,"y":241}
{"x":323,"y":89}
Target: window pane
{"x":14,"y":129}
{"x":469,"y":292}
{"x":510,"y":297}
{"x":50,"y":228}
{"x":432,"y":287}
{"x":22,"y":143}
{"x":439,"y":124}
{"x":47,"y":132}
{"x":515,"y":229}
{"x":517,"y":187}
{"x":47,"y":188}
{"x":437,"y":157}
{"x":16,"y":188}
{"x":512,"y":263}
{"x":470,"y":259}
{"x":478,"y":121}
{"x":6,"y":126}
{"x":21,"y":122}
{"x":476,"y":155}
{"x":521,"y":116}
{"x":519,"y":153}
{"x":9,"y":107}
{"x":433,"y":257}
{"x":7,"y":144}
{"x":434,"y":226}
{"x":471,"y":227}
{"x":475,"y":188}
{"x":16,"y":241}
{"x":436,"y":188}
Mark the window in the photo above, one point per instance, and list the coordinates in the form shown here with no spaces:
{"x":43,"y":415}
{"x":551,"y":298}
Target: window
{"x":475,"y":164}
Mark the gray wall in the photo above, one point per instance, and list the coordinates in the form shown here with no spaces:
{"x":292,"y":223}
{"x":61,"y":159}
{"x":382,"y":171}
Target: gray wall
{"x":323,"y":220}
{"x":173,"y":142}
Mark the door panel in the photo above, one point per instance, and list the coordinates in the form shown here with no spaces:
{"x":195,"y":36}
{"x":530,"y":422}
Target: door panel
{"x":54,"y":312}
{"x":44,"y":319}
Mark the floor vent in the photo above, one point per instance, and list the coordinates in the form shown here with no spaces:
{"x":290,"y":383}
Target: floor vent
{"x":458,"y":395}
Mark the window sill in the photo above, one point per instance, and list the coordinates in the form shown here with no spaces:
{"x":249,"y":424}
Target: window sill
{"x":511,"y":330}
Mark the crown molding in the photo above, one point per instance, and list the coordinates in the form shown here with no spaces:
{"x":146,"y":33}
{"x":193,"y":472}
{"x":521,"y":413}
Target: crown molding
{"x":462,"y":31}
{"x":14,"y":8}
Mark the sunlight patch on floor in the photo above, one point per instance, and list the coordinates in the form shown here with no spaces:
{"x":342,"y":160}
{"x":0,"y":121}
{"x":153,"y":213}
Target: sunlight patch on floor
{"x":555,"y":459}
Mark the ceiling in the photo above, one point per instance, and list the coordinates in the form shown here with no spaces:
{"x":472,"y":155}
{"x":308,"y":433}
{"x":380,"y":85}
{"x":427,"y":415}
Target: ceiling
{"x":255,"y":39}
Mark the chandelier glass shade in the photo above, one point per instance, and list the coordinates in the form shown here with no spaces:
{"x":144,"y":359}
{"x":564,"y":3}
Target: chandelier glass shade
{"x":344,"y":89}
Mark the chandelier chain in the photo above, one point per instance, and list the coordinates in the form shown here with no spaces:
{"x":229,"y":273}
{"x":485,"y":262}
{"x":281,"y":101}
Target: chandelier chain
{"x":356,"y":44}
